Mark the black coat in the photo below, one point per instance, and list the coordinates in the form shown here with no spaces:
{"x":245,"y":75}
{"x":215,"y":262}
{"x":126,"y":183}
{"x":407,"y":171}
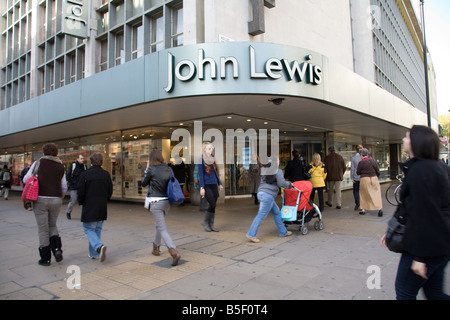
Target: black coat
{"x":425,"y":197}
{"x":295,"y":170}
{"x":94,"y":191}
{"x":72,"y":177}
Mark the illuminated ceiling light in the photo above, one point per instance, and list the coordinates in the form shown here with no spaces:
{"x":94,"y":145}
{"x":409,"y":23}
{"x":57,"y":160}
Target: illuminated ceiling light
{"x":181,"y":123}
{"x":249,"y":120}
{"x":265,"y":122}
{"x":229,"y":117}
{"x":306,"y":129}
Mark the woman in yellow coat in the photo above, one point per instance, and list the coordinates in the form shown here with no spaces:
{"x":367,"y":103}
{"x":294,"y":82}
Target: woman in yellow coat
{"x":318,"y":174}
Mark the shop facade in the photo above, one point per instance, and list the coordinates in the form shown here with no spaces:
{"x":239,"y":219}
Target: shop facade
{"x":146,"y":72}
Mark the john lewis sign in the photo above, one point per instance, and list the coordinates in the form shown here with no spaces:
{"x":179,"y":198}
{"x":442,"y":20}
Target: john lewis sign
{"x":185,"y":70}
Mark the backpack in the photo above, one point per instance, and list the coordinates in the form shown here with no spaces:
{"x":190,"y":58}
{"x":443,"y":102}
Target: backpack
{"x":6,"y":176}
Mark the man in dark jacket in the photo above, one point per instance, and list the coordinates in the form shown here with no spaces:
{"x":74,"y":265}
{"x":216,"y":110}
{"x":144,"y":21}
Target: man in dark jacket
{"x":72,"y":176}
{"x":94,"y":191}
{"x":295,"y":168}
{"x":336,"y":167}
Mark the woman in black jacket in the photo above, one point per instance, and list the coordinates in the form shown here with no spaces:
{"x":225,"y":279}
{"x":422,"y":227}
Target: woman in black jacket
{"x":156,"y":177}
{"x":425,"y":205}
{"x":94,"y":192}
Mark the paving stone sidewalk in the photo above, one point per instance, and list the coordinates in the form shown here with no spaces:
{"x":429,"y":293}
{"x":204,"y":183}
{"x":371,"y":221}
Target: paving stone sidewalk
{"x":328,"y":264}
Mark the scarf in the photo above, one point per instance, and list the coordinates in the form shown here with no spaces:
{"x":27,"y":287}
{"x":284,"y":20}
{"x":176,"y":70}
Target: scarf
{"x":210,"y":163}
{"x":51,"y":158}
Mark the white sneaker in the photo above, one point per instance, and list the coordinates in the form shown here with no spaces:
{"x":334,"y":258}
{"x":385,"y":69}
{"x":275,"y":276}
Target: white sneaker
{"x":252,"y":239}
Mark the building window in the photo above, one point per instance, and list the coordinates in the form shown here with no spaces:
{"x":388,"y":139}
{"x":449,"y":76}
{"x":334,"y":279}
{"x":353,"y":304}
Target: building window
{"x":137,"y":41}
{"x":104,"y":55}
{"x":72,"y":68}
{"x":157,"y":33}
{"x":119,"y":52}
{"x":177,"y":26}
{"x":61,"y":72}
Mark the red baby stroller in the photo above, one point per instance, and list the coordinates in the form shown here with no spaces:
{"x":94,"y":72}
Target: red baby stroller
{"x":297,"y":200}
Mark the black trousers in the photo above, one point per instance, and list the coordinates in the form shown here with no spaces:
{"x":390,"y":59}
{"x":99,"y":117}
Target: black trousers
{"x":211,"y":195}
{"x":320,"y":193}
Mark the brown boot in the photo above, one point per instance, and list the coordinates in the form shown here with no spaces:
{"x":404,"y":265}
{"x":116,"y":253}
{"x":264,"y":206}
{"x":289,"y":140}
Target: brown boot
{"x":175,"y":255}
{"x":155,"y":251}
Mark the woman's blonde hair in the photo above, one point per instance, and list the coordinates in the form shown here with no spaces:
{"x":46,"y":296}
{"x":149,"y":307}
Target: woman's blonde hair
{"x":204,"y":145}
{"x":316,"y":159}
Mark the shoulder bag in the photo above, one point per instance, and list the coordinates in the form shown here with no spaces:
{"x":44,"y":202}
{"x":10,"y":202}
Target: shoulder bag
{"x":174,"y":191}
{"x":31,"y":189}
{"x":395,"y":232}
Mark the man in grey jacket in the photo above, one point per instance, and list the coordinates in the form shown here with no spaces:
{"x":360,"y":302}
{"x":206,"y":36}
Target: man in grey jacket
{"x":355,"y":178}
{"x":72,"y":176}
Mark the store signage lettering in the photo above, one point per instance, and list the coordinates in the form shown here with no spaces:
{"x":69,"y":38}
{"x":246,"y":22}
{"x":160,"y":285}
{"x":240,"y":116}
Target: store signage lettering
{"x":75,"y":18}
{"x":186,"y":70}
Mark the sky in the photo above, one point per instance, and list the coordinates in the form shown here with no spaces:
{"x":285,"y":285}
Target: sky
{"x":437,"y":32}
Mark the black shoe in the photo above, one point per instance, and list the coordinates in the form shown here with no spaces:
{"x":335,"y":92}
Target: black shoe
{"x":46,"y":256}
{"x":102,"y":251}
{"x":55,"y":246}
{"x":338,"y":207}
{"x":380,"y":213}
{"x":362,"y":212}
{"x":68,"y":215}
{"x":357,"y":207}
{"x":328,"y":204}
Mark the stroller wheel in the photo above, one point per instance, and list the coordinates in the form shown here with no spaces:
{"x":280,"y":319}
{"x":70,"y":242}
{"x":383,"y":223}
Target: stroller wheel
{"x":318,"y":225}
{"x":304,"y":230}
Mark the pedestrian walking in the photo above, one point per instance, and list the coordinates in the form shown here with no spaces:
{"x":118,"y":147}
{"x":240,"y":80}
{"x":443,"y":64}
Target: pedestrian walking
{"x":268,"y":190}
{"x":210,"y":184}
{"x":254,"y":176}
{"x":336,"y":167}
{"x":425,"y":205}
{"x":94,"y":191}
{"x":370,"y":190}
{"x":5,"y":181}
{"x":52,"y":188}
{"x":354,"y":176}
{"x":318,"y":175}
{"x":72,"y":176}
{"x":157,"y":177}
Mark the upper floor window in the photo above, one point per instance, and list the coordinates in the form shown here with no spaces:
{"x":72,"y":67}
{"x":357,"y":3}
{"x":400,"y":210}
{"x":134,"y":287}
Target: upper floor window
{"x":137,"y":41}
{"x":157,"y":33}
{"x":177,"y":26}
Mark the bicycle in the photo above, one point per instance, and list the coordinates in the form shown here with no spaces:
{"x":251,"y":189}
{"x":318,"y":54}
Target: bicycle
{"x":393,"y":191}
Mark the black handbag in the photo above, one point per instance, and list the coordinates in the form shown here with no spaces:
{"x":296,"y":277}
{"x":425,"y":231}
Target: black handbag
{"x":394,"y":235}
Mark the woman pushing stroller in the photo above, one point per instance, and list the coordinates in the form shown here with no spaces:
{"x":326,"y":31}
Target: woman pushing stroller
{"x":267,"y":192}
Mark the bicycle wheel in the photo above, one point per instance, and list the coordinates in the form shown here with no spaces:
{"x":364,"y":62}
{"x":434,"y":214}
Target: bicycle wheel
{"x":397,"y":193}
{"x":391,"y":194}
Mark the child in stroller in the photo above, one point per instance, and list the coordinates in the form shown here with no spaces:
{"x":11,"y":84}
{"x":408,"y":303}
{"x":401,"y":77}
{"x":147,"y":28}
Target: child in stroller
{"x":306,"y":210}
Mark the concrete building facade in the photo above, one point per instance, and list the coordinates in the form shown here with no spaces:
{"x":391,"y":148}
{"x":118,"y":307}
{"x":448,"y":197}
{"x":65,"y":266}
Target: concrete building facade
{"x":121,"y":76}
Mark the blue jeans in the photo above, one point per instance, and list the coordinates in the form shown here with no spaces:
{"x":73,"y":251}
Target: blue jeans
{"x":266,"y":204}
{"x":93,"y":231}
{"x":408,"y":284}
